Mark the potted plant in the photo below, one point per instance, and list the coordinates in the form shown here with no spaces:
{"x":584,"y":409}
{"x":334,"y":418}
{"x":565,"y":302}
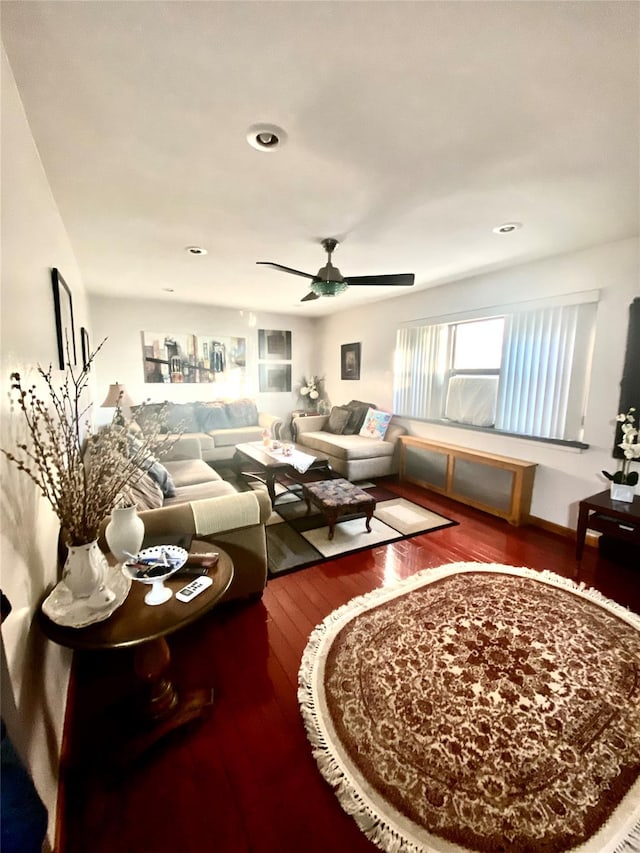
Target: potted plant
{"x":623,"y":481}
{"x":312,"y":391}
{"x":82,"y":474}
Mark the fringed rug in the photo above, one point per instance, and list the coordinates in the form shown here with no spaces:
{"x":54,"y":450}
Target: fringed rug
{"x":480,"y":707}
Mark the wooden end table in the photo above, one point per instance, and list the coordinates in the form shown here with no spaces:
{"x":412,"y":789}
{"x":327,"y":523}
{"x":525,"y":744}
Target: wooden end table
{"x":136,"y":624}
{"x":613,"y":518}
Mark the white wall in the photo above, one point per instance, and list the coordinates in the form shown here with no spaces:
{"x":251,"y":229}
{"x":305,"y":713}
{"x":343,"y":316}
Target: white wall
{"x":564,"y":475}
{"x":122,"y":321}
{"x":35,"y":672}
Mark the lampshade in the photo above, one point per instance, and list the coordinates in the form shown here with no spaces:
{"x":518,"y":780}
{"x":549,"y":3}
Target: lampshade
{"x":117,"y":396}
{"x":328,"y":288}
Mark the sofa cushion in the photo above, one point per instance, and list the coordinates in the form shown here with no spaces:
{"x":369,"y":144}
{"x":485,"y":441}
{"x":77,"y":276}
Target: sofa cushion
{"x":348,"y":447}
{"x":358,"y":413}
{"x":238,"y":435}
{"x":213,"y":415}
{"x":187,"y":472}
{"x":242,"y":413}
{"x":338,"y":419}
{"x":375,"y":423}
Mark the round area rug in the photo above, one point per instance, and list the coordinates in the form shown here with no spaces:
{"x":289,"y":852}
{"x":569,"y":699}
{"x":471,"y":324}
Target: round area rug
{"x":478,"y":707}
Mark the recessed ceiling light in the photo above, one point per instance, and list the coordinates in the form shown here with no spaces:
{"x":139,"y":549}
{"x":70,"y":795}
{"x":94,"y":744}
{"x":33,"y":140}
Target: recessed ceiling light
{"x":507,"y":227}
{"x":266,"y":137}
{"x":196,"y":250}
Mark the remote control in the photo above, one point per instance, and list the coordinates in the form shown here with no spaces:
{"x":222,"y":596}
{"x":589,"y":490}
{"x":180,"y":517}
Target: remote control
{"x":188,"y":592}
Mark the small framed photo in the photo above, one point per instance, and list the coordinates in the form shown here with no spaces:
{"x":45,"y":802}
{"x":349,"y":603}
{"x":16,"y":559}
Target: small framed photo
{"x":275,"y":377}
{"x":84,"y":347}
{"x":65,"y":331}
{"x":350,"y":361}
{"x":274,"y":344}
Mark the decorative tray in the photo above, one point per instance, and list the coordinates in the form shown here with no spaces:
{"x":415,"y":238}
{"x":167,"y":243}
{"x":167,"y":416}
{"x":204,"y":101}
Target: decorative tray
{"x":63,"y":609}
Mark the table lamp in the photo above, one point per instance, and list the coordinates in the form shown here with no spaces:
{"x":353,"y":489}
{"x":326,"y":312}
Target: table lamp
{"x":118,"y":397}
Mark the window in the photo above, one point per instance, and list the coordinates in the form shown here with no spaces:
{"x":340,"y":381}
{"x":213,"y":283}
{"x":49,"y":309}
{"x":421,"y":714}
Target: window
{"x":522,"y":370}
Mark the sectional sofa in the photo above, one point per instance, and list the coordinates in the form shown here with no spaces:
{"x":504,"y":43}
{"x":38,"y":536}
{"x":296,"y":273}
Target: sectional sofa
{"x":218,"y":424}
{"x":183,"y":497}
{"x":354,"y":456}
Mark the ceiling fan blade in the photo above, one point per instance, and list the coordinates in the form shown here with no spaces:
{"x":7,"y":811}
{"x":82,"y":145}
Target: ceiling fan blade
{"x":286,"y":269}
{"x":311,"y":295}
{"x":403,"y":279}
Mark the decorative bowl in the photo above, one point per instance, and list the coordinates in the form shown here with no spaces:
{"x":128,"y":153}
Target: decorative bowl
{"x":153,"y":566}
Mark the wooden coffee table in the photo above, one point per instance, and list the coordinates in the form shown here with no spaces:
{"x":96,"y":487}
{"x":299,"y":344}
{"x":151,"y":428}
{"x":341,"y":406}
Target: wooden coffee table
{"x":135,"y":624}
{"x":254,"y":460}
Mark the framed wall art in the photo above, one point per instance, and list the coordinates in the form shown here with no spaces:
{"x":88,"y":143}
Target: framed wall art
{"x":274,"y":344}
{"x":275,"y":377}
{"x":65,"y":330}
{"x":173,"y":359}
{"x":85,"y":349}
{"x":350,"y":361}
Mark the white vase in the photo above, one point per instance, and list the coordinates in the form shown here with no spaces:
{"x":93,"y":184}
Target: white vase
{"x":124,"y":533}
{"x":85,"y":571}
{"x":620,"y":492}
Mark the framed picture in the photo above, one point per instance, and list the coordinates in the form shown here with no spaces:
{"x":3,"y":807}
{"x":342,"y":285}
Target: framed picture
{"x":84,"y":346}
{"x":181,"y":358}
{"x":65,"y":331}
{"x":275,"y":377}
{"x":350,"y":361}
{"x":274,"y":344}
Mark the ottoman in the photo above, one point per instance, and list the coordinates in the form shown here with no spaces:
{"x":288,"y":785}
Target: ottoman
{"x":338,"y":497}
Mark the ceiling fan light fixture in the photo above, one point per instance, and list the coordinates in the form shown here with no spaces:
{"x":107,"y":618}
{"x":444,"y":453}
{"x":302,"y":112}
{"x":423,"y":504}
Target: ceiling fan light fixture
{"x":266,"y":137}
{"x":328,"y":288}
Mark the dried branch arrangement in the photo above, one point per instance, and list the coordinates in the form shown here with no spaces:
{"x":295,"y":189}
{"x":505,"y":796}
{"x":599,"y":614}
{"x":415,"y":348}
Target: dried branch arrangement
{"x":83,"y":474}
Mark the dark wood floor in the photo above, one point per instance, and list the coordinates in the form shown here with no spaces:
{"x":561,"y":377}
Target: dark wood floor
{"x":244,"y":779}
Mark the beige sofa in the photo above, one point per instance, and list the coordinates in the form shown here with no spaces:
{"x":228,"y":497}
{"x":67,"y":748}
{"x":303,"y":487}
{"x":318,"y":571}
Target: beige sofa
{"x":218,"y":424}
{"x":354,"y":456}
{"x":201,"y":504}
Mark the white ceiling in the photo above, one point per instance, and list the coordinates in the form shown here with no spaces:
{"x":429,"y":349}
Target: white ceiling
{"x":413,"y":129}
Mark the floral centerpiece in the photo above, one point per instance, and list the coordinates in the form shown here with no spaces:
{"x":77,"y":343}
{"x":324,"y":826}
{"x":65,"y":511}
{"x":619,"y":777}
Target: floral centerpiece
{"x":83,"y":475}
{"x":311,"y":391}
{"x":630,"y":447}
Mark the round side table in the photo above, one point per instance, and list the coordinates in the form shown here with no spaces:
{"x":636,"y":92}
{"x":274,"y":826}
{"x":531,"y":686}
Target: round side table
{"x":136,"y":624}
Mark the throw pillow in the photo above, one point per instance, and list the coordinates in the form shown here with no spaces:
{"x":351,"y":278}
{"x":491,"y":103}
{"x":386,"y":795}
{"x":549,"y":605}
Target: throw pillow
{"x":155,"y":469}
{"x":375,"y":423}
{"x":159,"y":473}
{"x":358,"y":413}
{"x":145,"y":493}
{"x":338,"y":419}
{"x":181,"y":417}
{"x":213,"y":415}
{"x":242,"y":413}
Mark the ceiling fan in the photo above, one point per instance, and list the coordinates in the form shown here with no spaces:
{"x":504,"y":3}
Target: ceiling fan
{"x":329,"y":281}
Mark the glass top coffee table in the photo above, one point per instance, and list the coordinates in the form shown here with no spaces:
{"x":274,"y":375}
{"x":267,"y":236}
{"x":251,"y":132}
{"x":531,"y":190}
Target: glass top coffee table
{"x":255,"y":461}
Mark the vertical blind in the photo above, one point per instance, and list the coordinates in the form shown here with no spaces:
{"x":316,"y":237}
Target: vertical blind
{"x":544,"y":374}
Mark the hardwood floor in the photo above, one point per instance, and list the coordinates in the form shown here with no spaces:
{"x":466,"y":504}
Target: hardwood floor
{"x":244,"y":779}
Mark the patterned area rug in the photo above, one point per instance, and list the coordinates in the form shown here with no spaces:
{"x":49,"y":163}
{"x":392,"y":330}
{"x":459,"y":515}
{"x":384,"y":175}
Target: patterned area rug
{"x":480,"y":707}
{"x":296,"y":540}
